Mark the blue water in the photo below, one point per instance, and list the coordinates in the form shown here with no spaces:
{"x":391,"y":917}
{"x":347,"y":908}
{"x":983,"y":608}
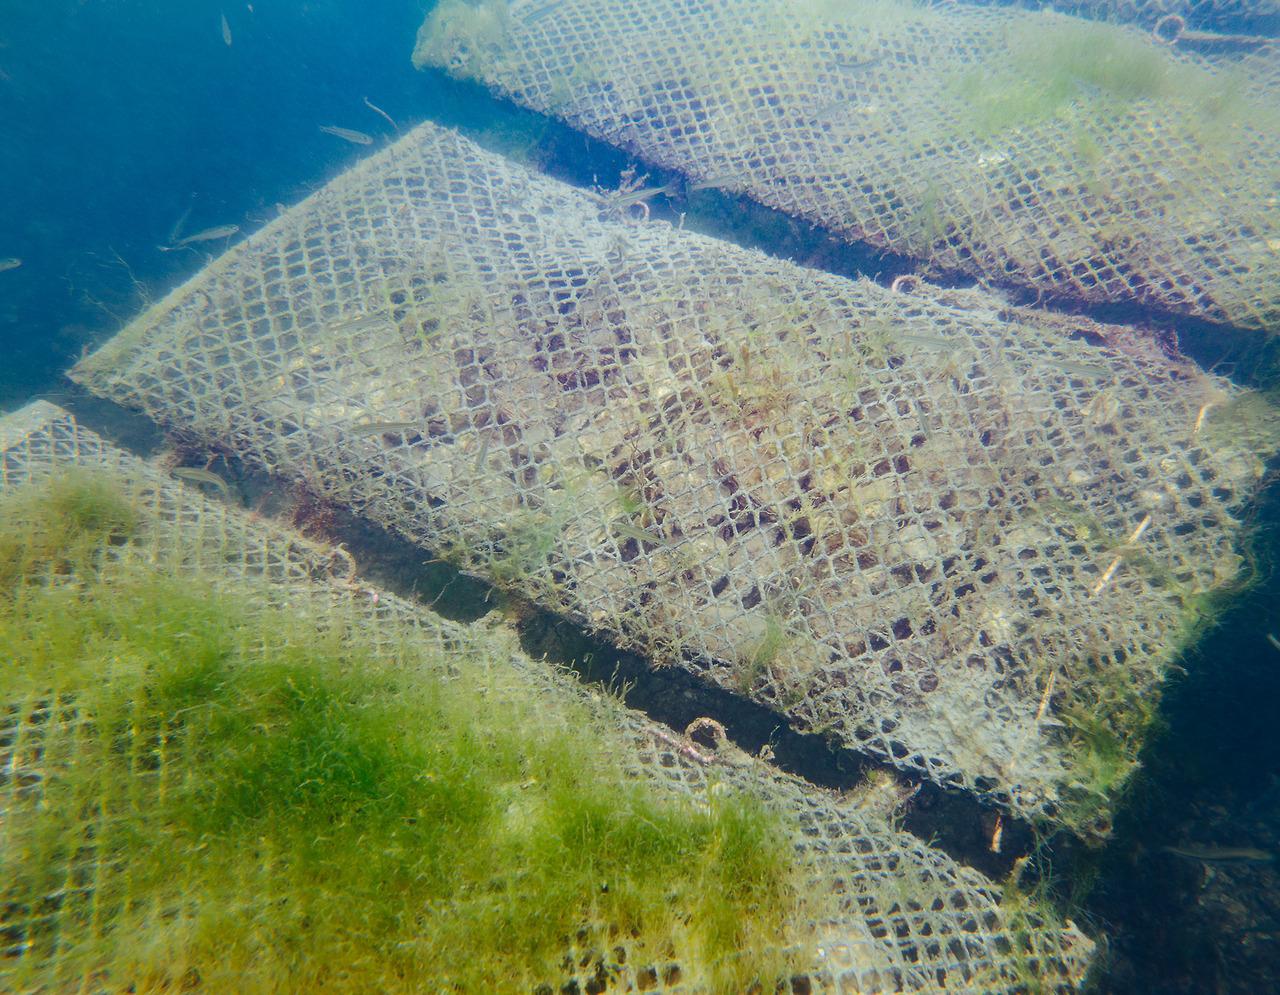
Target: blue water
{"x":118,"y":116}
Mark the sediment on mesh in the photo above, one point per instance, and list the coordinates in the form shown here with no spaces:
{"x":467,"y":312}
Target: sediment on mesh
{"x":1078,"y":160}
{"x":903,"y":917}
{"x":940,"y":529}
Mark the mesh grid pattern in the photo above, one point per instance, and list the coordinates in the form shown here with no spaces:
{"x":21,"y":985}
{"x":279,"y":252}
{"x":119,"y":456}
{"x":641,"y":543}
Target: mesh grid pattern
{"x":924,"y":523}
{"x":907,"y":917}
{"x":1080,"y":161}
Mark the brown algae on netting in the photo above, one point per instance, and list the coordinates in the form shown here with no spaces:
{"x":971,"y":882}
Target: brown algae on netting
{"x":218,"y":790}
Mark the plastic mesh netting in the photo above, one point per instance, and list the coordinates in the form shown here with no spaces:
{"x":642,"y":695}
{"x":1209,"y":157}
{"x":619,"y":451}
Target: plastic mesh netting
{"x":1077,"y":160}
{"x":934,"y":527}
{"x":903,"y":917}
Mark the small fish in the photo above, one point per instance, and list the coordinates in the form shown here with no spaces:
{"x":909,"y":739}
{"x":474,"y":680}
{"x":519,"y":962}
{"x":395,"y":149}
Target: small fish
{"x":181,"y":223}
{"x":1273,"y":641}
{"x":201,"y":477}
{"x":714,"y":182}
{"x":1087,"y":89}
{"x":359,"y":323}
{"x":208,"y":235}
{"x":347,"y":134}
{"x":12,"y":262}
{"x":226,"y":30}
{"x":636,"y":196}
{"x":1220,"y":854}
{"x":537,"y":13}
{"x":859,"y":65}
{"x":833,"y":109}
{"x":378,"y":427}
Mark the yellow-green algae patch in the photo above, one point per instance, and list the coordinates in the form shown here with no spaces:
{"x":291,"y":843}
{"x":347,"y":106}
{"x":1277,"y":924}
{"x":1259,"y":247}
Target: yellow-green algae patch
{"x":207,"y":790}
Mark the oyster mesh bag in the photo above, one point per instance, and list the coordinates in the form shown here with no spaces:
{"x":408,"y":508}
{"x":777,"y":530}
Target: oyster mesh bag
{"x":933,"y":527}
{"x":894,"y":915}
{"x":1077,"y":160}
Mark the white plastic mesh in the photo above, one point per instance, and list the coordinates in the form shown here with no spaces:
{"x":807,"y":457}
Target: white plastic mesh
{"x":906,"y":918}
{"x":932,"y":526}
{"x":1078,"y":160}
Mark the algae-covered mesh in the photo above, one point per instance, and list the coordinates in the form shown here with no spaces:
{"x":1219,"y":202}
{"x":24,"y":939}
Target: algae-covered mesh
{"x":936,"y":528}
{"x":213,"y":776}
{"x":1080,"y":161}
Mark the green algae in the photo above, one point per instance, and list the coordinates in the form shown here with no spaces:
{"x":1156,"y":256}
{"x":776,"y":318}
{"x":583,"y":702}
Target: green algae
{"x":220,"y":790}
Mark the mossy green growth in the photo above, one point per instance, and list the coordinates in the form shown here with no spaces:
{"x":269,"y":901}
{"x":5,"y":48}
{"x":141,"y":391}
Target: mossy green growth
{"x":755,"y":656}
{"x":1103,"y":749}
{"x":222,"y":791}
{"x":926,"y":223}
{"x":518,"y":558}
{"x":61,"y":527}
{"x":1029,"y":917}
{"x":1044,"y":65}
